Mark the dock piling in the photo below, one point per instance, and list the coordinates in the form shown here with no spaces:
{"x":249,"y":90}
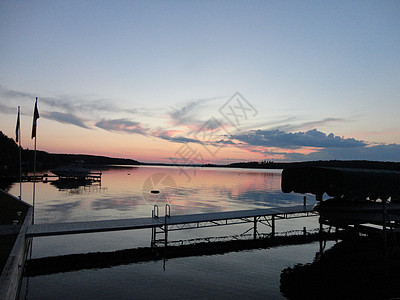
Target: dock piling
{"x":273,"y":225}
{"x":255,"y":228}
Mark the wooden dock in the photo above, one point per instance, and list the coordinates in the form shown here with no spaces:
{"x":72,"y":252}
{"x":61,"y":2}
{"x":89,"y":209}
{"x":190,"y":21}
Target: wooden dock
{"x":168,"y":222}
{"x":91,"y":176}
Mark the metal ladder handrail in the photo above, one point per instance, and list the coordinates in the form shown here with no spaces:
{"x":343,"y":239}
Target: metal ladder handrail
{"x":154,"y":212}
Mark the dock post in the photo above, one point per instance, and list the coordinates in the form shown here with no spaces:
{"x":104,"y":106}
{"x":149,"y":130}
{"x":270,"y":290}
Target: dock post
{"x":321,"y":246}
{"x":273,"y":225}
{"x":153,"y":237}
{"x":255,"y":228}
{"x":167,"y":214}
{"x":166,"y":235}
{"x":321,"y":228}
{"x":154,"y":214}
{"x":304,"y":200}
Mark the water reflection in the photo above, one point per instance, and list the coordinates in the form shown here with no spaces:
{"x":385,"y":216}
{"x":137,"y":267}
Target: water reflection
{"x":59,"y":212}
{"x":122,"y":193}
{"x":210,"y":190}
{"x":96,"y":260}
{"x":351,"y":269}
{"x":119,"y":203}
{"x":67,"y":184}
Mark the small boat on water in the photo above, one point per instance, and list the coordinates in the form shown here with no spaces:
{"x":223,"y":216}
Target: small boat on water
{"x":71,"y":172}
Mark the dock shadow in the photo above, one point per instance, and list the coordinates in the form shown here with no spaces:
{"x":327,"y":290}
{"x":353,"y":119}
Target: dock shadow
{"x":98,"y":260}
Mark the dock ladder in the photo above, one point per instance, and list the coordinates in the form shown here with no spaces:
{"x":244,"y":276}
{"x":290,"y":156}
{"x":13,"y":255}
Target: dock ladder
{"x":162,"y":229}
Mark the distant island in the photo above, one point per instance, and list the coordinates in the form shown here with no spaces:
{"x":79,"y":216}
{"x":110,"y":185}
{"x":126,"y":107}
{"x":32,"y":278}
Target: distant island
{"x":358,"y":164}
{"x":9,"y":161}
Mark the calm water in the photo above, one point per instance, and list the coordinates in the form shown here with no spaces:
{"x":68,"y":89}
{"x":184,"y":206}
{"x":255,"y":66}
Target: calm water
{"x":125,"y":193}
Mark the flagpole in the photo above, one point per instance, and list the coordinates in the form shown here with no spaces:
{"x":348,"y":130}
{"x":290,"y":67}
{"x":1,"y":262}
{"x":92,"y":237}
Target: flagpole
{"x":20,"y":159}
{"x":34,"y":180}
{"x":34,"y":135}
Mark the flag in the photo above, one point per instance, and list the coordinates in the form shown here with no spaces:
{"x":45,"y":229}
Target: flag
{"x":17,"y":128}
{"x":35,"y":117}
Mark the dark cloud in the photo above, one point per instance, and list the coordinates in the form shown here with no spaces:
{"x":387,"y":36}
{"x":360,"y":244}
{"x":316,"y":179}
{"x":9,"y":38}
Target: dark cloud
{"x":122,"y":125}
{"x":327,"y":147}
{"x":12,"y":94}
{"x":185,"y":114}
{"x":64,"y":118}
{"x":225,"y":142}
{"x":104,"y":106}
{"x":67,"y":104}
{"x":178,"y":139}
{"x":376,"y":153}
{"x":12,"y":99}
{"x":71,"y":104}
{"x":7,"y":110}
{"x":311,"y":138}
{"x":59,"y":103}
{"x":171,"y":135}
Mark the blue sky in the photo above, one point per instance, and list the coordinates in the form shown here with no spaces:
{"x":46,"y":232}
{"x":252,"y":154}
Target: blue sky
{"x":142,"y":79}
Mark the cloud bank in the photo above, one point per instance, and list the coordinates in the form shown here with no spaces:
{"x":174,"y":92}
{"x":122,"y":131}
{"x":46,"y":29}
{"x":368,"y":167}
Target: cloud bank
{"x":311,"y":138}
{"x":287,"y":146}
{"x":378,"y":152}
{"x":122,"y":125}
{"x":64,"y":109}
{"x":65,"y":118}
{"x":287,"y":141}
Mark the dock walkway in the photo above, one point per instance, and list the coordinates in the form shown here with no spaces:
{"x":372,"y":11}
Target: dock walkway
{"x":169,"y":222}
{"x":37,"y":230}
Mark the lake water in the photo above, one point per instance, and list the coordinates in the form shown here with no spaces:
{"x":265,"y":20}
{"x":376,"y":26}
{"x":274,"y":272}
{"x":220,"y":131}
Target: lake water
{"x":126,"y":193}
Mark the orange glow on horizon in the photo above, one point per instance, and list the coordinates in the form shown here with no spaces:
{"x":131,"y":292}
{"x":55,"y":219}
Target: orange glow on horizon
{"x":56,"y":137}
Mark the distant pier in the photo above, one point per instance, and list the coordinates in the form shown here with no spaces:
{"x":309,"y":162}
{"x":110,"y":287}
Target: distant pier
{"x":91,"y":176}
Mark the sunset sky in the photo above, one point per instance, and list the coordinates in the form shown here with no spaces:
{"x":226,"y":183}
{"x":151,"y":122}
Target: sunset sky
{"x":204,"y":81}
